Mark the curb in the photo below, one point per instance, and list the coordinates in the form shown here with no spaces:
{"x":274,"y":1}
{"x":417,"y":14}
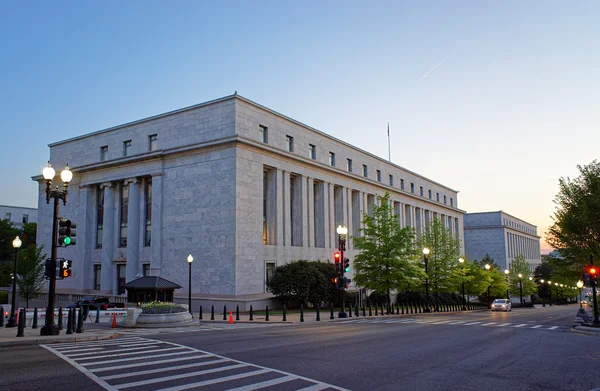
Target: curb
{"x":584,"y":330}
{"x":57,"y":340}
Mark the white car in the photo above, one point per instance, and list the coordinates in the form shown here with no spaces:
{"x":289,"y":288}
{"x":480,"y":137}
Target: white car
{"x":501,"y":305}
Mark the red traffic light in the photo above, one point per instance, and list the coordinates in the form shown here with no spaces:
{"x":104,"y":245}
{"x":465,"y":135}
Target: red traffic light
{"x":593,"y":271}
{"x":337,"y":256}
{"x":334,"y":280}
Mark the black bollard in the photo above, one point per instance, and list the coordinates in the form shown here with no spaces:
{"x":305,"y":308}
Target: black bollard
{"x":34,"y":324}
{"x":237,"y":312}
{"x":98,"y":314}
{"x":412,"y":307}
{"x":318,"y":312}
{"x":397,"y":309}
{"x":331,"y":311}
{"x":225,"y":312}
{"x":382,"y":313}
{"x":60,"y":326}
{"x":1,"y":316}
{"x":387,"y":308}
{"x":267,"y":314}
{"x":420,"y":308}
{"x":376,"y":310}
{"x":370,"y":312}
{"x":200,"y":312}
{"x":349,"y":311}
{"x":79,"y":321}
{"x":251,"y":313}
{"x":284,"y":313}
{"x":356,"y":310}
{"x":21,"y":324}
{"x":70,"y":321}
{"x":212,"y":312}
{"x":363,"y":310}
{"x":301,"y":313}
{"x":401,"y":308}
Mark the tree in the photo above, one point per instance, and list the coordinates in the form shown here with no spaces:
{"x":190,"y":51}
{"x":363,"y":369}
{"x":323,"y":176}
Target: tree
{"x":543,"y":271}
{"x":29,"y":233}
{"x":303,"y":281}
{"x":7,"y":252}
{"x":479,"y":280}
{"x":576,"y":229}
{"x":30,"y":272}
{"x":520,"y":266}
{"x":387,"y":258}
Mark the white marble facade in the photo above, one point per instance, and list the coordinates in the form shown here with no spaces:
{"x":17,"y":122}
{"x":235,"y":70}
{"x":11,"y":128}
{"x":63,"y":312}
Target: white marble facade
{"x":221,"y":180}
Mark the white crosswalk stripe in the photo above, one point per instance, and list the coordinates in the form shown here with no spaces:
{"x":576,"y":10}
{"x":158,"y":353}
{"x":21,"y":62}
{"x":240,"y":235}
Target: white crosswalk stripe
{"x":156,"y":364}
{"x":449,"y":322}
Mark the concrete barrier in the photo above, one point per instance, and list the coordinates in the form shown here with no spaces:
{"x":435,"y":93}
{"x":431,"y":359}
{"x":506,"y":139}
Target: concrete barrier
{"x":105,"y":316}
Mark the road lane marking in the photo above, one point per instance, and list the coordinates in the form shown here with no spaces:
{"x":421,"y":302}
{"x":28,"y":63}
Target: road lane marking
{"x":504,"y":324}
{"x":127,"y":354}
{"x":105,"y":351}
{"x":266,"y":383}
{"x":521,"y":325}
{"x":149,"y":363}
{"x":471,"y":324}
{"x":136,"y":358}
{"x":442,"y":322}
{"x":553,"y":327}
{"x":215,"y":381}
{"x":488,"y":324}
{"x":316,"y":387}
{"x":166,"y":369}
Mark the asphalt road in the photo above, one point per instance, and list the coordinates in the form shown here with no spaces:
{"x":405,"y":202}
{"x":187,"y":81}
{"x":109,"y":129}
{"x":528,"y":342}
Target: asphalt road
{"x":526,"y":349}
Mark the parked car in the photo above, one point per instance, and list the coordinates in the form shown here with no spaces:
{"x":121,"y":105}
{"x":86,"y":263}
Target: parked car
{"x":502,"y":305}
{"x":95,"y":302}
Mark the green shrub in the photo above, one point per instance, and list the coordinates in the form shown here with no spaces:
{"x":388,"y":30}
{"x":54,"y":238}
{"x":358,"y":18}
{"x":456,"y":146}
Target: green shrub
{"x":3,"y":297}
{"x":158,"y":307}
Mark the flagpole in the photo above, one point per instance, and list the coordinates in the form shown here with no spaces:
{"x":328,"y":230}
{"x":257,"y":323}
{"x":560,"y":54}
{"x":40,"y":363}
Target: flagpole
{"x":389,"y":148}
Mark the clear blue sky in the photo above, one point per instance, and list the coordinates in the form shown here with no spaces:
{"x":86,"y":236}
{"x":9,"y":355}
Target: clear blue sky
{"x":511,"y":105}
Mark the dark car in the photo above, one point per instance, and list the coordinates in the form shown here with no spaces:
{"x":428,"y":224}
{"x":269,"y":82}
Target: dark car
{"x":93,"y":302}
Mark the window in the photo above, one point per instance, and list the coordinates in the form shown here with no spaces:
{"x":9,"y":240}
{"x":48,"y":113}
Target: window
{"x":103,"y":153}
{"x":127,"y":148}
{"x":391,"y":180}
{"x":148,"y":213}
{"x":412,"y":187}
{"x":402,"y":184}
{"x":7,"y":216}
{"x":349,"y":165}
{"x":97,"y":276}
{"x":99,"y":216}
{"x":269,"y":271}
{"x":444,"y":199}
{"x":145,"y":269}
{"x":430,"y":195}
{"x":265,"y":199}
{"x":437,"y":197}
{"x":332,"y":159}
{"x":451,"y":202}
{"x":289,"y":143}
{"x":312,"y":151}
{"x":124,"y":212}
{"x":153,"y":142}
{"x":263,"y":134}
{"x":25,"y":219}
{"x":365,"y":171}
{"x":378,"y":175}
{"x":421,"y":191}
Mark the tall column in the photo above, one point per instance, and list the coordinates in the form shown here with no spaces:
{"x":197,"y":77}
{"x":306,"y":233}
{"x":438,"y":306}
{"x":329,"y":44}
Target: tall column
{"x":310,"y":191}
{"x":287,"y":228}
{"x":108,"y":237}
{"x":156,"y":229}
{"x":331,"y":201}
{"x":85,"y":228}
{"x":280,"y":206}
{"x":133,"y":230}
{"x":326,"y":213}
{"x":348,"y":197}
{"x":304,"y":201}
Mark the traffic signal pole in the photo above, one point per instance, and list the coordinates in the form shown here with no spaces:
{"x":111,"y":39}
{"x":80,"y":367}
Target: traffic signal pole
{"x":49,"y":328}
{"x":342,"y":247}
{"x":594,"y":278}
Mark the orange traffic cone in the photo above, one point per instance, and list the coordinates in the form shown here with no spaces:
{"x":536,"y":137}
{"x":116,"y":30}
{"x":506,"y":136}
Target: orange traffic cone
{"x":230,"y":317}
{"x":114,"y":322}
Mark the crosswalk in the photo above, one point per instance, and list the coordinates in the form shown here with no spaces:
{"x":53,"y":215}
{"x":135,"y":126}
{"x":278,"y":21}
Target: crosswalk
{"x":188,"y":329}
{"x":135,"y":363}
{"x":455,"y":322}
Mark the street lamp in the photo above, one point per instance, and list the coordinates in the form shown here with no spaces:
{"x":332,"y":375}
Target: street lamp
{"x":462,"y":261}
{"x":488,"y":267}
{"x":521,"y":288}
{"x":550,"y":292}
{"x":506,"y":271}
{"x":190,"y":259}
{"x":426,"y":260}
{"x":12,"y":321}
{"x":580,"y":286}
{"x":342,"y":231}
{"x":49,"y":328}
{"x":556,"y":294}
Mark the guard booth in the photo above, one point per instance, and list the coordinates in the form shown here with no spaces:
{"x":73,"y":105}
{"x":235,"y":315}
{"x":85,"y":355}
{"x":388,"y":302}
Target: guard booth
{"x":150,"y":288}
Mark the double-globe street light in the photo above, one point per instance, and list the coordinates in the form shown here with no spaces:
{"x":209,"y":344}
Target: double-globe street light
{"x":461,"y":261}
{"x":521,"y":289}
{"x":506,"y":271}
{"x":12,"y":321}
{"x":580,"y":286}
{"x":342,"y":231}
{"x":190,"y":259}
{"x":488,"y":267}
{"x":66,"y":175}
{"x":426,"y":259}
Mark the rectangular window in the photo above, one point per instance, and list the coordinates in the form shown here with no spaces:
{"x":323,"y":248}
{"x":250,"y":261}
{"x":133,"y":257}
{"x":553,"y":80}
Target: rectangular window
{"x":124,"y":212}
{"x":99,"y":216}
{"x":289,"y":143}
{"x":444,"y":200}
{"x":402,"y":184}
{"x":153,"y":142}
{"x":378,"y":175}
{"x":430,"y":194}
{"x":312,"y":151}
{"x":332,"y":159}
{"x":146,"y":269}
{"x":97,"y":276}
{"x":451,"y":202}
{"x":148,"y":213}
{"x":391,"y":180}
{"x":263,"y":134}
{"x":412,"y":187}
{"x":7,"y":216}
{"x":25,"y":219}
{"x":421,"y":191}
{"x":104,"y":153}
{"x":269,"y":271}
{"x":437,"y":197}
{"x":349,"y":165}
{"x":127,"y":148}
{"x":365,"y":171}
{"x":121,"y":278}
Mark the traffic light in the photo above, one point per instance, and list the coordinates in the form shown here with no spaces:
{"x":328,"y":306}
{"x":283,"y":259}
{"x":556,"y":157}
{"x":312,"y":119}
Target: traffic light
{"x":65,"y":268}
{"x":48,"y":268}
{"x":337,"y":257}
{"x":593,"y":271}
{"x":66,"y":232}
{"x":346,"y":265}
{"x":334,"y":280}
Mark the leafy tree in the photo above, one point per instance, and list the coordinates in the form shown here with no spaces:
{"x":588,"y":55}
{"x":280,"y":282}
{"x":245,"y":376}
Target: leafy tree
{"x":7,"y":252}
{"x":303,"y":281}
{"x":543,"y":271}
{"x":387,"y":258}
{"x":30,"y":272}
{"x":462,"y":274}
{"x":479,"y":279}
{"x":520,"y":266}
{"x":576,"y":229}
{"x":29,"y":233}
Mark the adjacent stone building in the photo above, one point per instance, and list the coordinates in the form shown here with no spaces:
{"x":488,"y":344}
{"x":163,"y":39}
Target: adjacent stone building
{"x":18,"y":215}
{"x":503,"y":237}
{"x":239,"y":186}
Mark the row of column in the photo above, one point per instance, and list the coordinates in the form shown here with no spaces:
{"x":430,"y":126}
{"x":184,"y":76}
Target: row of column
{"x":517,"y":245}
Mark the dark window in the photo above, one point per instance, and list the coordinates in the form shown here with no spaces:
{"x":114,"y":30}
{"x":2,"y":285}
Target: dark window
{"x":124,"y":212}
{"x":99,"y":217}
{"x":263,"y":134}
{"x":349,"y":165}
{"x":127,"y":148}
{"x":148,"y":213}
{"x":378,"y":175}
{"x":153,"y":142}
{"x":103,"y":153}
{"x":97,"y":276}
{"x":289,"y":143}
{"x":146,"y":269}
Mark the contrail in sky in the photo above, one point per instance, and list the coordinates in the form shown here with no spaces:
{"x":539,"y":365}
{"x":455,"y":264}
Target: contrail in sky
{"x":433,"y":69}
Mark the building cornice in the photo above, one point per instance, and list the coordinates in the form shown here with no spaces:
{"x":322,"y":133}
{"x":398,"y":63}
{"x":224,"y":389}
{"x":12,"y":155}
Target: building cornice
{"x":503,"y":227}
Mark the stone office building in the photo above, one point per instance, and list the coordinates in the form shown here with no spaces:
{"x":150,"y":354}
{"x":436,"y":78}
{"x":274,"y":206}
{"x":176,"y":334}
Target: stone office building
{"x":18,"y":215}
{"x":503,"y":237}
{"x":239,"y":186}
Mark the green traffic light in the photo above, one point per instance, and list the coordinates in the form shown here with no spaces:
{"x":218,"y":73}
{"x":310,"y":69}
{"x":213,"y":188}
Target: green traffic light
{"x":67,"y":241}
{"x":347,"y":269}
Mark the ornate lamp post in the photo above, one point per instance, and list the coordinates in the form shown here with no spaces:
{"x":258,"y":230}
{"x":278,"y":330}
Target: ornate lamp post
{"x":557,"y":292}
{"x":190,"y":259}
{"x":461,"y":261}
{"x":488,"y":267}
{"x":580,"y":286}
{"x":12,"y":321}
{"x":521,"y":288}
{"x":49,"y":328}
{"x":550,"y":292}
{"x":342,"y":231}
{"x":543,"y":300}
{"x":426,"y":259}
{"x":506,"y":271}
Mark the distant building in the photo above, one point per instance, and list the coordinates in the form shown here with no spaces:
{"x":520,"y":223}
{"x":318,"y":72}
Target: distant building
{"x":18,"y":215}
{"x":502,"y":236}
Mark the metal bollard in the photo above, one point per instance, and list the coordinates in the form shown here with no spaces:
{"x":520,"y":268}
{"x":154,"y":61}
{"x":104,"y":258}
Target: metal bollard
{"x":284,"y":313}
{"x":200,"y":312}
{"x":376,"y":309}
{"x":267,"y":314}
{"x":70,"y":321}
{"x":370,"y":310}
{"x":34,"y":324}
{"x":331,"y":311}
{"x":237,"y":312}
{"x":349,"y":311}
{"x":318,"y":312}
{"x":212,"y":312}
{"x":98,"y":314}
{"x":301,"y":313}
{"x":382,"y":309}
{"x":21,"y":328}
{"x":363,"y":310}
{"x":225,"y":312}
{"x":60,"y":325}
{"x":251,"y":314}
{"x":80,"y":321}
{"x":1,"y":316}
{"x":356,"y":309}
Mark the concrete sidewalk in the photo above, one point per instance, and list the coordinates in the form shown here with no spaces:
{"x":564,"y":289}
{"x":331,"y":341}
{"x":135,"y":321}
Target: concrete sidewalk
{"x":8,"y":336}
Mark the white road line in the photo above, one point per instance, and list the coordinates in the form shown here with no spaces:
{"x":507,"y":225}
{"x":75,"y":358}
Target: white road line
{"x":442,"y":322}
{"x":471,"y":324}
{"x":137,"y":358}
{"x":59,"y":346}
{"x":504,"y":324}
{"x":129,"y":344}
{"x":80,"y":350}
{"x":461,"y":322}
{"x":316,"y":387}
{"x":214,"y":381}
{"x":521,"y":325}
{"x":266,"y":383}
{"x":536,"y":326}
{"x":488,"y":324}
{"x":148,"y":363}
{"x":553,"y":327}
{"x":128,"y":354}
{"x":165,"y":369}
{"x":114,"y":350}
{"x":179,"y":376}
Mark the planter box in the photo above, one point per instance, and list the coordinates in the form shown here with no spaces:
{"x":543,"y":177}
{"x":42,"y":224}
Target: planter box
{"x":154,"y":319}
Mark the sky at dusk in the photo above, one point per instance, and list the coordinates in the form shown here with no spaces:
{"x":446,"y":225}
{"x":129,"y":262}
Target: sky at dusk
{"x":495,"y":99}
